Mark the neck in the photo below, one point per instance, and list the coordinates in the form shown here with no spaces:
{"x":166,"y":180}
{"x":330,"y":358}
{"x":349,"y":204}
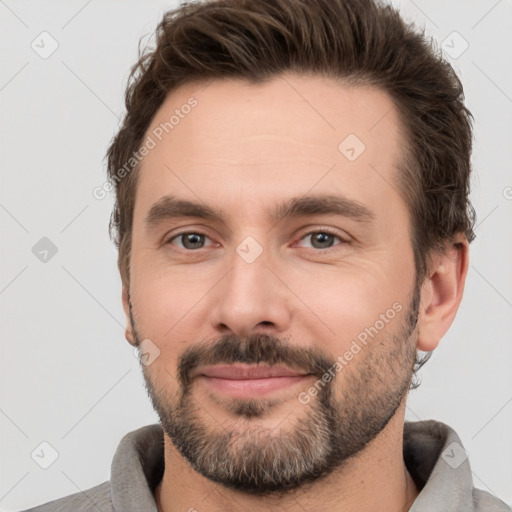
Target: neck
{"x":375,"y":479}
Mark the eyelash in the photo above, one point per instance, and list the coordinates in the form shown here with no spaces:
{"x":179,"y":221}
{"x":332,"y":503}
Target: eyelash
{"x":309,"y":233}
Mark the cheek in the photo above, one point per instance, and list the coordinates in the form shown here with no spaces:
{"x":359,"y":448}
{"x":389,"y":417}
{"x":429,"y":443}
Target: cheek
{"x":162,"y":292}
{"x":345,"y":300}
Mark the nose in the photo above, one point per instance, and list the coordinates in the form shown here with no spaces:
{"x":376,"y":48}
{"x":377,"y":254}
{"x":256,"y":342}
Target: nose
{"x":251,"y":298}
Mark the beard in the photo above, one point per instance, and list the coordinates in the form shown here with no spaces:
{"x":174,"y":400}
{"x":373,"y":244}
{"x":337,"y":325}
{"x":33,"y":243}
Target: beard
{"x":325,"y":433}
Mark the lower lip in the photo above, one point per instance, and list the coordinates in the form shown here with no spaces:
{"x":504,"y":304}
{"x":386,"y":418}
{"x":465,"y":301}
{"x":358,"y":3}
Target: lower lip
{"x":243,"y":388}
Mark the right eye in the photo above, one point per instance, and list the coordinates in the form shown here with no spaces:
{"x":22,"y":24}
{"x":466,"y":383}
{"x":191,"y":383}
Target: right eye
{"x":190,"y":240}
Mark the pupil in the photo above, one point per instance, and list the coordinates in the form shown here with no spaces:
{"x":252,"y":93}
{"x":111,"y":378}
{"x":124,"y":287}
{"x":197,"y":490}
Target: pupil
{"x":321,"y":237}
{"x":194,"y":239}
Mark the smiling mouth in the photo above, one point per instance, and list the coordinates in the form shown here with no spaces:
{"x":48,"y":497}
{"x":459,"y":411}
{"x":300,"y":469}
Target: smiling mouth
{"x":242,"y":381}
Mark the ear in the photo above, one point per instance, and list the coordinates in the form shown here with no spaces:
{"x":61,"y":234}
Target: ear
{"x":441,"y":293}
{"x":128,"y":334}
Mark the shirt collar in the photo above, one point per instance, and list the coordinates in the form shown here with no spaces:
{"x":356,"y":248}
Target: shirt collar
{"x":438,"y":463}
{"x":137,"y":468}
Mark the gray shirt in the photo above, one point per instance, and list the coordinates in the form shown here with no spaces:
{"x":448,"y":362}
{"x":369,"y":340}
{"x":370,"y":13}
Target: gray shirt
{"x":433,"y":454}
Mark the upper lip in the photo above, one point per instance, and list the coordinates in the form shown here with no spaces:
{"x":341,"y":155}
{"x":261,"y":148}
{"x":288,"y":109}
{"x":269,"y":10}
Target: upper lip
{"x":236,"y":372}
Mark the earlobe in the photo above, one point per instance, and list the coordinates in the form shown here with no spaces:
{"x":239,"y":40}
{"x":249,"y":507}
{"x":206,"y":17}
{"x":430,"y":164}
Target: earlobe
{"x":128,"y":334}
{"x":441,"y":294}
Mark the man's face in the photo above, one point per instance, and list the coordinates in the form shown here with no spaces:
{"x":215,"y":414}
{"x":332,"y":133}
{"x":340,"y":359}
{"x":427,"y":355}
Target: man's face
{"x":330,"y":294}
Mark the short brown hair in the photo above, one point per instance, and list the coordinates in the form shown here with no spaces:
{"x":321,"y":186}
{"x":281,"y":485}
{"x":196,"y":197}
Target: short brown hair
{"x":357,"y":41}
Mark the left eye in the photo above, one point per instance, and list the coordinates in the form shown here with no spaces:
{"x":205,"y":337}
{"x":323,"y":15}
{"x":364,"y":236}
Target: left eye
{"x":321,"y":239}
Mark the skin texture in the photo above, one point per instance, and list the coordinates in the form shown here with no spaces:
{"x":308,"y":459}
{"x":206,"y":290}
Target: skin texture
{"x":301,"y":302}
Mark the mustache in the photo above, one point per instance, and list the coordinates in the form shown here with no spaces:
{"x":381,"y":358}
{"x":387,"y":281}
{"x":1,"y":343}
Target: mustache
{"x":254,"y":349}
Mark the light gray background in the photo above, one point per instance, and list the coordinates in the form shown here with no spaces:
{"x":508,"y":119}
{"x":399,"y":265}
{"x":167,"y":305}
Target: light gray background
{"x":68,"y":377}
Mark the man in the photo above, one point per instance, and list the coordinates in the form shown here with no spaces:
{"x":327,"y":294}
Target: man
{"x":293,"y":221}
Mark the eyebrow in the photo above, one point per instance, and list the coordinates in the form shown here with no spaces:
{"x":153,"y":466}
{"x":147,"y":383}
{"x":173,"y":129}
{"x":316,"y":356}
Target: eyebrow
{"x":169,"y":207}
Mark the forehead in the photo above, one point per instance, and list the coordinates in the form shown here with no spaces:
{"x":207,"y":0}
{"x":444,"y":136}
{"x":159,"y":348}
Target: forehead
{"x":231,"y":139}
